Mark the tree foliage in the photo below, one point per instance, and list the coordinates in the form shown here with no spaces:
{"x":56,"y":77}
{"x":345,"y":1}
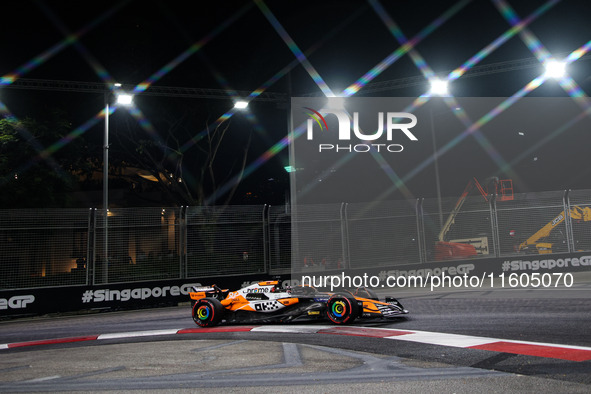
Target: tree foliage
{"x":187,"y":163}
{"x":36,"y":166}
{"x":173,"y":162}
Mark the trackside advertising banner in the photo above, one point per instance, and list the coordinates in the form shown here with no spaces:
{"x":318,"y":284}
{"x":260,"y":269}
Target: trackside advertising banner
{"x":517,"y":271}
{"x":113,"y":296}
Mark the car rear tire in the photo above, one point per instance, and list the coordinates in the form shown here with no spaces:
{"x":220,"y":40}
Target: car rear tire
{"x":342,"y":309}
{"x":207,"y":312}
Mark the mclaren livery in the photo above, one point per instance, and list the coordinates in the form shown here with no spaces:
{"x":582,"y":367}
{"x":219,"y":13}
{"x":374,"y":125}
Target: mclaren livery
{"x":267,"y":302}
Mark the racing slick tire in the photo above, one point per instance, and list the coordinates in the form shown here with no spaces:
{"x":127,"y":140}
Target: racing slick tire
{"x":208,"y":312}
{"x":342,"y":309}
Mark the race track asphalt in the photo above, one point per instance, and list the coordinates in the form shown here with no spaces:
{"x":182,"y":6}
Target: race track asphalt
{"x":162,"y":350}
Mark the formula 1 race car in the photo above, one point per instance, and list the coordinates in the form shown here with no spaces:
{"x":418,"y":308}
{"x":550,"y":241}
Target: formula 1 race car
{"x":266,"y":302}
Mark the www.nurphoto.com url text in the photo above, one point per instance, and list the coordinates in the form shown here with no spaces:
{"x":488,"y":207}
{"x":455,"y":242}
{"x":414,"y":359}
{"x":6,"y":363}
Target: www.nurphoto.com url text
{"x":433,"y":282}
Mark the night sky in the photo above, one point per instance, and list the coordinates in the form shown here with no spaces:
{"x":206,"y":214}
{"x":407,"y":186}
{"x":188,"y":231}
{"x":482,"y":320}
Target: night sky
{"x":313,"y":48}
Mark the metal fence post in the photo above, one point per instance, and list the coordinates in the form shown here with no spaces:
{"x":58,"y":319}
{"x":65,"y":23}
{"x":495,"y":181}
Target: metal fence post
{"x":266,"y":244}
{"x":345,"y":236}
{"x":182,"y":243}
{"x":570,"y":238}
{"x":494,"y":224}
{"x":90,"y":247}
{"x":421,"y":227}
{"x":91,"y":261}
{"x":419,"y":238}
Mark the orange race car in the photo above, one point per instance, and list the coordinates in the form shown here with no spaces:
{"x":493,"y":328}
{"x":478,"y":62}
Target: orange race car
{"x":266,"y":302}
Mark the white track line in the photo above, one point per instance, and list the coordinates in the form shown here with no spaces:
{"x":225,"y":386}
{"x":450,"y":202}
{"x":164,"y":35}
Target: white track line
{"x":439,"y":338}
{"x":136,"y":334}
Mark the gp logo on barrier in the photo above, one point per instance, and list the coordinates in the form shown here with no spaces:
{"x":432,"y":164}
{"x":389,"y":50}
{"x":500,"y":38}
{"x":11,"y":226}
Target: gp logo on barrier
{"x":393,"y":122}
{"x":139,"y":293}
{"x":16,"y":302}
{"x":548,"y":264}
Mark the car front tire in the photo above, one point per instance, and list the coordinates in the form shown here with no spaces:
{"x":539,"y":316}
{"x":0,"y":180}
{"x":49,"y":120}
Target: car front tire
{"x":342,"y":309}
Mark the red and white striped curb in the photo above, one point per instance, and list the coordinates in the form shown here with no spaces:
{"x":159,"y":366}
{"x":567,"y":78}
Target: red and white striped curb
{"x":538,"y":349}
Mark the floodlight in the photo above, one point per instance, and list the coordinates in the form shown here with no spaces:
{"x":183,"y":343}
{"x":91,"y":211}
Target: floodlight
{"x":124,"y":99}
{"x":439,"y":87}
{"x":336,"y":102}
{"x":241,"y":104}
{"x":555,"y":69}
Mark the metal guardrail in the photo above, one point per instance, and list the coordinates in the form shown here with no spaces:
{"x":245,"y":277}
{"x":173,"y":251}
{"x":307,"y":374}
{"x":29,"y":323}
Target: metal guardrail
{"x":65,"y":247}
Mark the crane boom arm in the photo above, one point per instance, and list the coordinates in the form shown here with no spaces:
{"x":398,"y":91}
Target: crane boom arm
{"x":576,"y":213}
{"x":452,"y":217}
